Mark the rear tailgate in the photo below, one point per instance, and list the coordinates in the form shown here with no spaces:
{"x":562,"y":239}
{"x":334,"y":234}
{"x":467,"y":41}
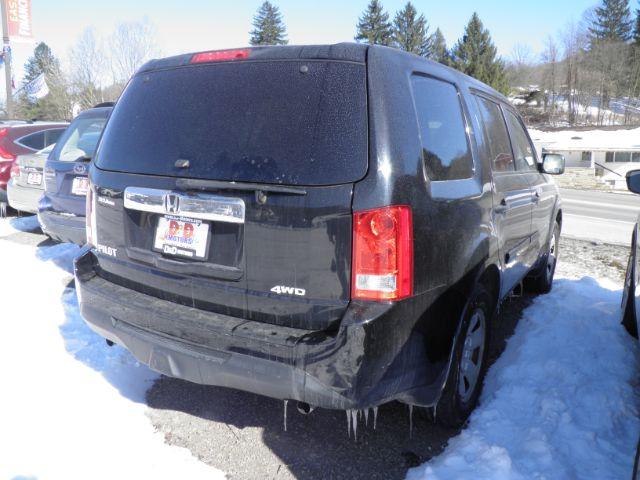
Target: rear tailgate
{"x":31,"y":171}
{"x":233,"y":194}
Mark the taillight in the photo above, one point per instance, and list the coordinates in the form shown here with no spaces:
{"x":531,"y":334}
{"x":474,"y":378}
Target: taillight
{"x":221,"y":55}
{"x":15,"y":170}
{"x":382,"y":264}
{"x":92,"y":234}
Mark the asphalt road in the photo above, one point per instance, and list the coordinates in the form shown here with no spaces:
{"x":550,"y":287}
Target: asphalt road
{"x":599,"y":216}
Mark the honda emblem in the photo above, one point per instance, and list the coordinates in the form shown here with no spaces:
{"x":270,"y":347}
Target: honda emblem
{"x":171,"y":203}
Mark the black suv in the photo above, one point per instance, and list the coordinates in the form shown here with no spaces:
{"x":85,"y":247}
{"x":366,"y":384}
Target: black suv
{"x":332,"y":224}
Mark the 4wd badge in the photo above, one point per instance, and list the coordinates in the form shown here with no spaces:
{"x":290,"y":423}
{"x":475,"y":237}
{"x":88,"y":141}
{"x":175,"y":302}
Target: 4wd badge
{"x":283,"y":290}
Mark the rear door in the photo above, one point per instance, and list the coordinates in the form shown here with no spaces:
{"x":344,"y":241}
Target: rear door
{"x":233,"y":193}
{"x":511,"y":197}
{"x":543,"y":192}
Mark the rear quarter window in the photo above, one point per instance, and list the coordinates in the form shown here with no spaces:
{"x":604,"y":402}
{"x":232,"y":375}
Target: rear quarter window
{"x":445,"y":146}
{"x":282,"y":122}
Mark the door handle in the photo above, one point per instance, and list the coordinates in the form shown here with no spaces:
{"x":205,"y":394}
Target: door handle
{"x":536,"y":196}
{"x":502,"y":207}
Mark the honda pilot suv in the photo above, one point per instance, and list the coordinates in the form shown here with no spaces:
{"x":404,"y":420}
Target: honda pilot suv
{"x":335,"y":225}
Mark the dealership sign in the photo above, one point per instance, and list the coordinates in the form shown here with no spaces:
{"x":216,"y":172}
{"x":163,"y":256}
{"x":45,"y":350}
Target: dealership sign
{"x":19,"y":19}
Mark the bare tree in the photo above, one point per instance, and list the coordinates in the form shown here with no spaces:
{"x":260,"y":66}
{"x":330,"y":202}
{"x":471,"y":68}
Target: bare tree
{"x":131,"y":45}
{"x":87,"y":69}
{"x":550,"y":58}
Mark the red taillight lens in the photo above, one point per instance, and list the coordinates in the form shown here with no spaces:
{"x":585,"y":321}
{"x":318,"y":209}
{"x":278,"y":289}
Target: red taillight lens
{"x":221,"y":55}
{"x":382,"y":264}
{"x":15,"y":170}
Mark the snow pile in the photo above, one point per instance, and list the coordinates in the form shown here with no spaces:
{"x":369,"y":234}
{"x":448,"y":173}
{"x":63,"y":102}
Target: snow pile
{"x":71,"y":407}
{"x":19,"y":224}
{"x":588,"y":140}
{"x":559,"y":403}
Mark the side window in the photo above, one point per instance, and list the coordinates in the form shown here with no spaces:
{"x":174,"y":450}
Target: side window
{"x":33,"y":140}
{"x":52,"y":136}
{"x":497,"y":137}
{"x":445,"y":148}
{"x":522,"y":148}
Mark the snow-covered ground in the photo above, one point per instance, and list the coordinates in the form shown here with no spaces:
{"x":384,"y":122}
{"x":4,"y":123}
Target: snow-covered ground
{"x":561,"y":402}
{"x":70,"y":407}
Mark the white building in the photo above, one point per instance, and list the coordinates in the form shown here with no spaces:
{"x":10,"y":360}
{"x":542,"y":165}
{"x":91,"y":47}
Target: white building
{"x":585,"y":149}
{"x":602,"y":151}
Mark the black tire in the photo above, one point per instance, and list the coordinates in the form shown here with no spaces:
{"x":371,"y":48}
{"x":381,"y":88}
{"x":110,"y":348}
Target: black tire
{"x":628,"y":301}
{"x":455,"y":406}
{"x":542,"y":281}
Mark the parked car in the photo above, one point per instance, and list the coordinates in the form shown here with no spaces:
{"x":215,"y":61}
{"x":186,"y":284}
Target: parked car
{"x":26,"y":184}
{"x":21,"y":138}
{"x":631,"y":295}
{"x":630,"y":304}
{"x":334,"y":225}
{"x":61,"y":209}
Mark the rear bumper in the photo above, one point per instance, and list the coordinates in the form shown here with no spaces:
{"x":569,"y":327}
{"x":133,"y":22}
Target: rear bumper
{"x":22,"y":198}
{"x":63,"y":227}
{"x":375,"y":356}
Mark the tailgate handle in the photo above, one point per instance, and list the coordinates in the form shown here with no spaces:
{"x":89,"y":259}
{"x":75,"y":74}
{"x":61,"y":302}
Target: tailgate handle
{"x":198,"y":205}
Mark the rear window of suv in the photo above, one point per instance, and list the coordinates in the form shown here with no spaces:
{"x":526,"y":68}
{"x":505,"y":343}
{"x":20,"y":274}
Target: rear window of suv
{"x":283,"y":122}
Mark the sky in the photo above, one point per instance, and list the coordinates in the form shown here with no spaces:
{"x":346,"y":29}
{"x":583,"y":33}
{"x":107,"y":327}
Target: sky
{"x":193,"y":25}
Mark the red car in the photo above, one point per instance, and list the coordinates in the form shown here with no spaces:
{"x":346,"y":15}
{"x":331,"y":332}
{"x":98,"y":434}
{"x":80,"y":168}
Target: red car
{"x":19,"y":138}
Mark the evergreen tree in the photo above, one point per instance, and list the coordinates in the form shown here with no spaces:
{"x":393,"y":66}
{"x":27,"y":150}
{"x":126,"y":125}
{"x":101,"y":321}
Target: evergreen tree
{"x":612,"y":22}
{"x":476,"y":55}
{"x":374,"y":26}
{"x":56,"y":104}
{"x":410,"y":31}
{"x":439,"y":51}
{"x":42,"y":61}
{"x":268,"y":26}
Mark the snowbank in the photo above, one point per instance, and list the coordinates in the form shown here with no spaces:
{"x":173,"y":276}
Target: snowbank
{"x":588,"y":140}
{"x":71,"y":407}
{"x":559,"y":403}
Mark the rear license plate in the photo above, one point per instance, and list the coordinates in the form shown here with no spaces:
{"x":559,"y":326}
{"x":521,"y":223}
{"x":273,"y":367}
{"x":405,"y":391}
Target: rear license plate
{"x":80,"y":186}
{"x":182,"y":237}
{"x":34,"y":178}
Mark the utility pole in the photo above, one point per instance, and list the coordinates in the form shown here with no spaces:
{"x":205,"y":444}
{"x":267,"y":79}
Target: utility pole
{"x":7,"y":58}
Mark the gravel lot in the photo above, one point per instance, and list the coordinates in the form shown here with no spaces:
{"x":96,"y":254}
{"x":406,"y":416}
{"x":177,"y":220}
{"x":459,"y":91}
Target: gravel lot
{"x":242,"y":434}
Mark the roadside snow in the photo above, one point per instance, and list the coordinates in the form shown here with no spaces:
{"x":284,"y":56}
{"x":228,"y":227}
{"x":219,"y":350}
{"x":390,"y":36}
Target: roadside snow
{"x":596,"y":139}
{"x":560,"y":401}
{"x":71,"y":407}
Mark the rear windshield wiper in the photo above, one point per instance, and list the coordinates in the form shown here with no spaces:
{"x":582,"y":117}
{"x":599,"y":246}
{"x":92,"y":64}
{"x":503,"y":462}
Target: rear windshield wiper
{"x":207,"y":185}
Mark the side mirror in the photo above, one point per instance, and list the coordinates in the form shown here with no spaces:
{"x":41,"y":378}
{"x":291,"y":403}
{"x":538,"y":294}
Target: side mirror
{"x":553,"y":164}
{"x":633,"y":181}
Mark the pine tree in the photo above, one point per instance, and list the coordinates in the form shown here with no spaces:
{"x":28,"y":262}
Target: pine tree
{"x":373,"y":26}
{"x":410,"y":31}
{"x":476,"y":55}
{"x":269,"y":28}
{"x":612,"y":22}
{"x":42,"y":61}
{"x":56,"y":104}
{"x":439,"y":50}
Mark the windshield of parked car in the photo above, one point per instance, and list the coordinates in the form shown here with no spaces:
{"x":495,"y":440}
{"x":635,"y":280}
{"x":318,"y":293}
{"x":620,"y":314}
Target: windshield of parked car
{"x":79,"y":141}
{"x":285,"y":122}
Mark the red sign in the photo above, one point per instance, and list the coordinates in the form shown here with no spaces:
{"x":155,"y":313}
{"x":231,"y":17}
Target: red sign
{"x":19,"y":19}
